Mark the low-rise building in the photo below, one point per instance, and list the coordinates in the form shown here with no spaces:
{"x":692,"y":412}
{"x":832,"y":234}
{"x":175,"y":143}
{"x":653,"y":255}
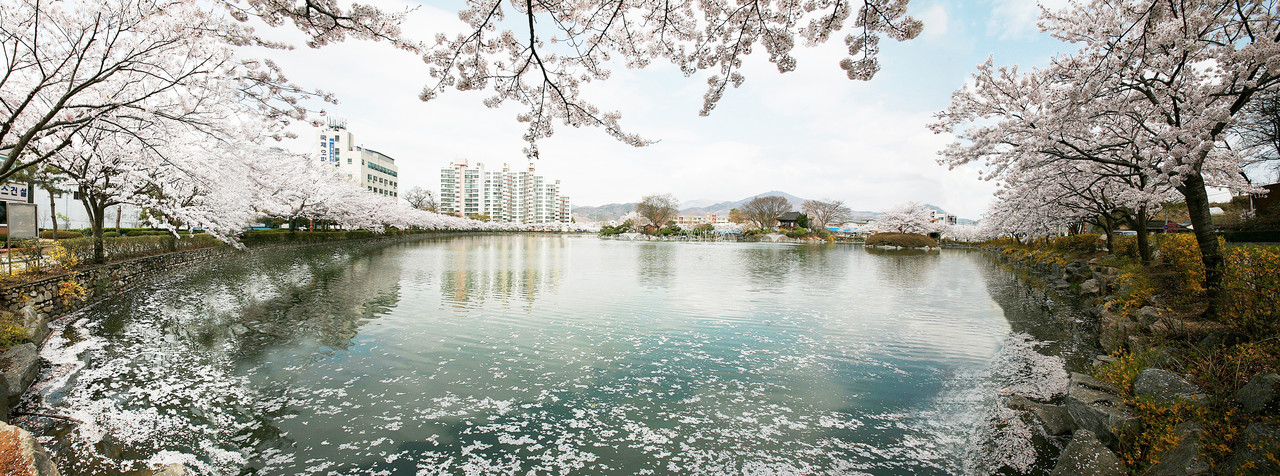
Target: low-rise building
{"x":373,"y":170}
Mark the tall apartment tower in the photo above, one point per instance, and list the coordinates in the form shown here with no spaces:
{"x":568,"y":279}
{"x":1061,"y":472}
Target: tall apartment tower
{"x":518,"y":197}
{"x":373,"y":170}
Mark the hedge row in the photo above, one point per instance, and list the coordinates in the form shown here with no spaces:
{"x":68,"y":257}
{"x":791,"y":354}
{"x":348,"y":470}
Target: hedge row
{"x":905,"y":240}
{"x":256,"y":237}
{"x":1253,"y":236}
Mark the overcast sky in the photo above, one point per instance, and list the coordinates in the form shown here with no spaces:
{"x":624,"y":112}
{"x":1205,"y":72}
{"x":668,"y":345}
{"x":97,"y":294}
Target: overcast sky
{"x":811,"y":133}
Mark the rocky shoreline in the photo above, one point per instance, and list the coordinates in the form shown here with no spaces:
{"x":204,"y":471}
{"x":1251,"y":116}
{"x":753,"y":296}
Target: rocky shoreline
{"x":1096,"y":415}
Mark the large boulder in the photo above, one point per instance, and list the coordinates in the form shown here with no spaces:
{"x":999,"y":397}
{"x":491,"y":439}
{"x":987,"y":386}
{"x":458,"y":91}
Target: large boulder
{"x":1261,"y":394}
{"x":1258,"y":450}
{"x":1184,"y":458}
{"x":1096,"y":406}
{"x":36,"y":322}
{"x":1086,"y":456}
{"x":22,"y":455}
{"x":1090,"y":287}
{"x":1053,"y":418}
{"x":19,"y":365}
{"x":1114,"y":330}
{"x":1167,"y":388}
{"x":1147,"y":315}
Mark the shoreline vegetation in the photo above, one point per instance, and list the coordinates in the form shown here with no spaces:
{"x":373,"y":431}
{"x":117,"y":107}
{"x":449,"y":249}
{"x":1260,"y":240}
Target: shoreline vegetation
{"x":1189,"y":392}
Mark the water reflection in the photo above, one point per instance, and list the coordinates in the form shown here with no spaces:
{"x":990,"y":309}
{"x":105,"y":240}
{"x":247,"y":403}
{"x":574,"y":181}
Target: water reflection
{"x":161,"y":369}
{"x":907,"y":268}
{"x":539,"y":354}
{"x":655,"y":261}
{"x":483,"y":267}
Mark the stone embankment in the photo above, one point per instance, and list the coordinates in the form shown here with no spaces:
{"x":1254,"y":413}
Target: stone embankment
{"x":1097,"y":415}
{"x":42,"y":301}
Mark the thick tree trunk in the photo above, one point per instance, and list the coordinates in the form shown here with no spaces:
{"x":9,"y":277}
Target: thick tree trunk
{"x":1140,"y":221}
{"x":97,"y":215}
{"x":1108,"y":226}
{"x":1197,"y":198}
{"x":117,"y":218}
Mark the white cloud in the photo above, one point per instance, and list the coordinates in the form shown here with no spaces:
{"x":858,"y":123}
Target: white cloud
{"x":1011,"y":19}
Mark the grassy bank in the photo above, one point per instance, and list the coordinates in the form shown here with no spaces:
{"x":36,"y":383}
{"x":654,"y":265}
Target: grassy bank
{"x":1167,"y":300}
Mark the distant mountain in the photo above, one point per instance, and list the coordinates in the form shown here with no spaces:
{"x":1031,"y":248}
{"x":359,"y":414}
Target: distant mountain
{"x":606,"y":212}
{"x":723,"y":208}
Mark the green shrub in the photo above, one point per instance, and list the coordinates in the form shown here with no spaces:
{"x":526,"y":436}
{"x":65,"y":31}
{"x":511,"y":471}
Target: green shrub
{"x":110,"y":234}
{"x":904,"y":240}
{"x":62,"y":235}
{"x":798,"y":232}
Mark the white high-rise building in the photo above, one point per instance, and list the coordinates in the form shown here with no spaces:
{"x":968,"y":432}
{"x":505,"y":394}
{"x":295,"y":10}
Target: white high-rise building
{"x":518,"y":197}
{"x":373,"y":170}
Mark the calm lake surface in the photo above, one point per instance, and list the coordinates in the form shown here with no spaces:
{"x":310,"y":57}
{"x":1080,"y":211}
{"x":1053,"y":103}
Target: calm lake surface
{"x":542,"y":354}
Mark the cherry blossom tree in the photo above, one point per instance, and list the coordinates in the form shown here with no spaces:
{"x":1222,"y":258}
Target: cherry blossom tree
{"x":1155,"y":88}
{"x":421,"y":198}
{"x":1259,"y":132}
{"x":910,"y":217}
{"x":71,"y":63}
{"x":543,"y":55}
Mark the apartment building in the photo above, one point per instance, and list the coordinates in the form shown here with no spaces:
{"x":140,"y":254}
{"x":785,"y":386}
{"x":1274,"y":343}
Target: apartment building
{"x":373,"y":170}
{"x":509,"y":196}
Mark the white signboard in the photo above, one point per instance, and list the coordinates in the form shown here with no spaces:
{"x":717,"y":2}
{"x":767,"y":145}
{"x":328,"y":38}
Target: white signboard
{"x":21,"y":218}
{"x":15,"y":192}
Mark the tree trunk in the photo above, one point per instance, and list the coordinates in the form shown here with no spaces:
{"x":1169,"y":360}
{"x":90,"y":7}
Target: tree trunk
{"x":1108,"y":226}
{"x":53,"y":214}
{"x":1197,"y":199}
{"x":97,"y":216}
{"x":1139,"y":222}
{"x":118,"y":218}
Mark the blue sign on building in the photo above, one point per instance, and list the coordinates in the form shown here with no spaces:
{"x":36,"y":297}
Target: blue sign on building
{"x":14,"y":192}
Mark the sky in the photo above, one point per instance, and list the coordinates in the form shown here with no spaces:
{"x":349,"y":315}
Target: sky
{"x":811,"y":132}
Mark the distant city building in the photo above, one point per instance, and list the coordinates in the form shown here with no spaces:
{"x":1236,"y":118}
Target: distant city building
{"x":943,"y":218}
{"x":517,"y":197}
{"x":709,"y":218}
{"x":373,"y":170}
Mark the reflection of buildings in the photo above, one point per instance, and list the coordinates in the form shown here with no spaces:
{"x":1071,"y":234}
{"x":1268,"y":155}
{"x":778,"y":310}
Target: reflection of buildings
{"x":502,"y":267}
{"x":519,"y":197}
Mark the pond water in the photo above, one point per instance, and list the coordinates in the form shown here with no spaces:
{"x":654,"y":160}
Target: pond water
{"x":544,"y":354}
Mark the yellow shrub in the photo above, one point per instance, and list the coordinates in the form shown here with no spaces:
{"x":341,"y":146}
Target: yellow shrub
{"x":1251,"y":290}
{"x":11,"y":331}
{"x":72,"y":290}
{"x":63,"y":257}
{"x":1083,"y":243}
{"x":1183,"y":252}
